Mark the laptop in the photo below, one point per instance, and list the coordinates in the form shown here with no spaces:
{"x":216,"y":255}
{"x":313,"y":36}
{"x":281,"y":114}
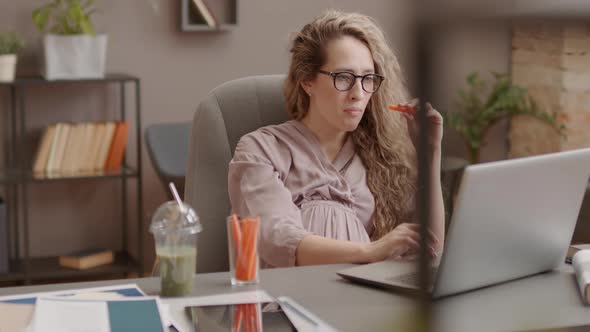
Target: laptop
{"x":512,"y":218}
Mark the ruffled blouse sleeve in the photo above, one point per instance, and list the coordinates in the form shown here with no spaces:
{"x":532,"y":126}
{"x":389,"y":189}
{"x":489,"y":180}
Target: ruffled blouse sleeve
{"x":256,"y":188}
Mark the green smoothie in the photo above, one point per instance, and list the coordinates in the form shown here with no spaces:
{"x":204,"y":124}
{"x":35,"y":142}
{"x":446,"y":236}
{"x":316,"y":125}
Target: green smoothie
{"x":177,"y":270}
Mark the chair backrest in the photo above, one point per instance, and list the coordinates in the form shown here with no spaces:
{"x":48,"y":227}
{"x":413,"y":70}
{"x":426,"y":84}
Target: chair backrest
{"x":229,"y":111}
{"x":167,"y":145}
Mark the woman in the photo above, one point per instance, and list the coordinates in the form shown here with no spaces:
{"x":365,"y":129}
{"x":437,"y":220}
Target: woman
{"x":337,"y":183}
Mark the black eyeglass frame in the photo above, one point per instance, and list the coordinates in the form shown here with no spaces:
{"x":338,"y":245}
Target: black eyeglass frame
{"x":362,"y":77}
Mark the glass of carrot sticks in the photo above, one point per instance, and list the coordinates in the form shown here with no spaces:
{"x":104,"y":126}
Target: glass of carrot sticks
{"x":242,"y":238}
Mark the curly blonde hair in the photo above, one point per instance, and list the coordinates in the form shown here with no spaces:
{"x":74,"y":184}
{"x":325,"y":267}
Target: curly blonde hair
{"x":381,"y":139}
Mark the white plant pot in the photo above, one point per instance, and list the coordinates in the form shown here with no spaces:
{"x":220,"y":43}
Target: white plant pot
{"x":7,"y":67}
{"x":74,"y":57}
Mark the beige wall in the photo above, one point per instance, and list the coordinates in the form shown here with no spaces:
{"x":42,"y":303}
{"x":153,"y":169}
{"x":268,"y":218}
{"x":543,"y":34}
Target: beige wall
{"x":458,"y":50}
{"x":177,"y":70}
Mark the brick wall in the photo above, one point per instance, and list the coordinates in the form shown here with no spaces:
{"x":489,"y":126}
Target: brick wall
{"x":553,"y":62}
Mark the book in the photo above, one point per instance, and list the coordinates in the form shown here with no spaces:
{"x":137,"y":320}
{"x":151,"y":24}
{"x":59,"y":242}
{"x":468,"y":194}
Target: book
{"x":49,"y":165}
{"x":71,"y":150}
{"x":105,"y":146}
{"x":573,"y":249}
{"x":60,"y":148}
{"x":44,"y":149}
{"x":581,"y":265}
{"x":78,"y":149}
{"x":207,"y":15}
{"x":96,"y":142}
{"x":84,"y":153}
{"x":88,"y":258}
{"x":117,"y":150}
{"x":75,"y":148}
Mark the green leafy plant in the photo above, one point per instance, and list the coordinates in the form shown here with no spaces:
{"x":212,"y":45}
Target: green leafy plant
{"x":10,"y":43}
{"x":482,"y":106}
{"x":67,"y":17}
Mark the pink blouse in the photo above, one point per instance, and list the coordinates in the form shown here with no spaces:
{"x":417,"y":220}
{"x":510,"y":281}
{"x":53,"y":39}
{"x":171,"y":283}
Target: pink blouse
{"x":281,"y":174}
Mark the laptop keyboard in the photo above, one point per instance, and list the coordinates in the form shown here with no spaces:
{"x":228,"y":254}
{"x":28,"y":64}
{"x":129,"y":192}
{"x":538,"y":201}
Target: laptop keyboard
{"x":413,"y":278}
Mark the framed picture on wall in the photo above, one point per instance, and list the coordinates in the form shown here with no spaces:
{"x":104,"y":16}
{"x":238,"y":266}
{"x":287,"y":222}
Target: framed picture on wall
{"x":208,"y":15}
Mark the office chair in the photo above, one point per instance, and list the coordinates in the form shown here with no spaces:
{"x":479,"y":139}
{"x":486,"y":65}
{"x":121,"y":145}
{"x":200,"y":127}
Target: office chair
{"x":167,"y":145}
{"x":230,"y":111}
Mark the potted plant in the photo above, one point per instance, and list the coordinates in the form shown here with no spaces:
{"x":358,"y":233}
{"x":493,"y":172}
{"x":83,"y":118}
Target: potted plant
{"x":10,"y":44}
{"x":71,"y":48}
{"x":482,"y":106}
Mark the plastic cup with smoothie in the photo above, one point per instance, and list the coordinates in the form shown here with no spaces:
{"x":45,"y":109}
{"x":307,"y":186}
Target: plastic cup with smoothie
{"x":175,"y":226}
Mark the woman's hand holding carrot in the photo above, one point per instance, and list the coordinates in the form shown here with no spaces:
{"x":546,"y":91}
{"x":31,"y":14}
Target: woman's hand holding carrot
{"x":435,"y":122}
{"x":403,"y":109}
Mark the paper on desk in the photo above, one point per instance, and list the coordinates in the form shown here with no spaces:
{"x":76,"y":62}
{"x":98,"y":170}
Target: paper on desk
{"x":15,"y":317}
{"x":256,"y":296}
{"x":300,"y":324}
{"x":176,"y":316}
{"x":96,"y":296}
{"x":128,"y":290}
{"x":72,"y":316}
{"x":301,"y":318}
{"x":59,"y":313}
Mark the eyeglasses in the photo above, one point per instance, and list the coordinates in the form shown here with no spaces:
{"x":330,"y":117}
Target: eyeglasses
{"x":344,"y":81}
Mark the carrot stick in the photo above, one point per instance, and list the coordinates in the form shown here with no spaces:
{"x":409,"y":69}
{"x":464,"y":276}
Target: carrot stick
{"x":251,"y":253}
{"x":238,"y":318}
{"x":256,"y":317}
{"x":246,"y":264}
{"x":252,"y":321}
{"x":403,"y":109}
{"x":253,"y":257}
{"x":246,"y":249}
{"x":247,"y":318}
{"x":241,"y":269}
{"x":236,"y":234}
{"x":251,"y":250}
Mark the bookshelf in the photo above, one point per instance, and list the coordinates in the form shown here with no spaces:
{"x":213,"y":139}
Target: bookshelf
{"x":224,"y":11}
{"x":19,"y":180}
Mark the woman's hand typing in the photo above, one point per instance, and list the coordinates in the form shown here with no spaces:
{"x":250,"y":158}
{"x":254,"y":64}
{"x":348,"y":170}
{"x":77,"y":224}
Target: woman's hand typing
{"x":402,"y":242}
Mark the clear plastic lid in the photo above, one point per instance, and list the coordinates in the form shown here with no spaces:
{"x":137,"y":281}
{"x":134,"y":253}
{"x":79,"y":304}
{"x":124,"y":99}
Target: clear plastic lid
{"x":170,"y":217}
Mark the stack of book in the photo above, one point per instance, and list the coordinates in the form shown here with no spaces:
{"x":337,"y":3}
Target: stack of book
{"x":81,"y":148}
{"x":581,"y":265}
{"x":88,"y":258}
{"x":573,"y":249}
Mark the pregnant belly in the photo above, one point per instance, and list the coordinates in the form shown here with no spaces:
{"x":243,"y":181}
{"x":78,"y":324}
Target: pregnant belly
{"x":333,"y":220}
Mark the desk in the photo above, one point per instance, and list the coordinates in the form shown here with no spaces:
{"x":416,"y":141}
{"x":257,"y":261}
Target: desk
{"x":545,"y":300}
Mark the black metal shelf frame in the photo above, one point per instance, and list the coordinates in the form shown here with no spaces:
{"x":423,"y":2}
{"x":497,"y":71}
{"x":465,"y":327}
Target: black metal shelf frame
{"x":17,"y":177}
